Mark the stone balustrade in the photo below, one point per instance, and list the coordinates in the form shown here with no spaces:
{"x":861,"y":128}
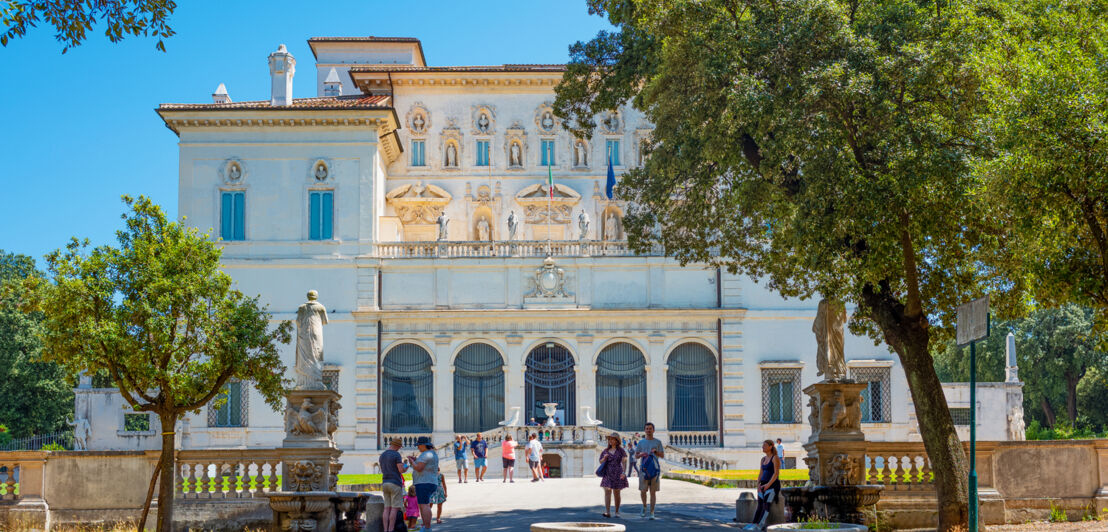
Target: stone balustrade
{"x":227,"y":473}
{"x":694,"y":438}
{"x":408,"y":441}
{"x":515,"y":248}
{"x":21,"y":475}
{"x":693,"y":459}
{"x":899,"y":466}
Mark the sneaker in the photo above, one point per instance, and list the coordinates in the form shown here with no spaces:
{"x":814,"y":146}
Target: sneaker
{"x":617,"y":515}
{"x":651,"y":516}
{"x":642,"y":513}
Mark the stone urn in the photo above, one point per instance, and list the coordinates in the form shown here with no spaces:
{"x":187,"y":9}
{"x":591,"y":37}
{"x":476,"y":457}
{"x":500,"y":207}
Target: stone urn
{"x":550,"y":409}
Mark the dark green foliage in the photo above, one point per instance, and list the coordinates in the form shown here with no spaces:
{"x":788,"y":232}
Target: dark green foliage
{"x":34,"y":394}
{"x":121,"y":18}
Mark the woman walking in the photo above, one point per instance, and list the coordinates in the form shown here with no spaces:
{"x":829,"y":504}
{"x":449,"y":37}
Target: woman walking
{"x":613,"y":462}
{"x":439,"y":497}
{"x":769,"y":485}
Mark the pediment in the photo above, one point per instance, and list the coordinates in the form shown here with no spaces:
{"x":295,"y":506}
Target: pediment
{"x":540,"y":192}
{"x":418,"y":193}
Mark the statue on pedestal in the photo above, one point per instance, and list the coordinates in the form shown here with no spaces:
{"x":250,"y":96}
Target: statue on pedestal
{"x":583,"y":224}
{"x":828,"y":328}
{"x":81,"y":432}
{"x":307,"y":419}
{"x":513,"y":224}
{"x":442,"y":221}
{"x":310,"y":319}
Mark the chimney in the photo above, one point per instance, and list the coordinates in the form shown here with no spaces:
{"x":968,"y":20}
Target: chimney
{"x":220,"y":95}
{"x":332,"y":86}
{"x":282,"y":66}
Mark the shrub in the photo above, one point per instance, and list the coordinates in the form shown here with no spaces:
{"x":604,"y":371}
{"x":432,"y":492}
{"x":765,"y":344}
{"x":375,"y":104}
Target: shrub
{"x":5,"y":435}
{"x":53,"y":447}
{"x":1058,"y":514}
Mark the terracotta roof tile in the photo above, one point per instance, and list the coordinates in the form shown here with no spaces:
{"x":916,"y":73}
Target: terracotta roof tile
{"x":358,"y":101}
{"x":371,"y":38}
{"x":488,"y":68}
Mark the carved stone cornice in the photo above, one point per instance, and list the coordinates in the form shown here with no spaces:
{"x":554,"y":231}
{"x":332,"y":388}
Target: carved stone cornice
{"x":178,"y":120}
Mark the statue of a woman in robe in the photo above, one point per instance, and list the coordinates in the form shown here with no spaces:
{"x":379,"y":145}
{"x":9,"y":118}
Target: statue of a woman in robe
{"x":310,"y":319}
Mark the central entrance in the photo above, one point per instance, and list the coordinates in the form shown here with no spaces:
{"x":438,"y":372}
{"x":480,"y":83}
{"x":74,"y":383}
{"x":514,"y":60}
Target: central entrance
{"x":550,"y":378}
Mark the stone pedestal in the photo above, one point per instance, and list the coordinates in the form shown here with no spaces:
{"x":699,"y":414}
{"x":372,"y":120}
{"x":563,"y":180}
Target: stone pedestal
{"x":310,"y":467}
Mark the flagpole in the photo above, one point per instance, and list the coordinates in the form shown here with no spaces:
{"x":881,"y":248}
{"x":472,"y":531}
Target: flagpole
{"x":549,"y":204}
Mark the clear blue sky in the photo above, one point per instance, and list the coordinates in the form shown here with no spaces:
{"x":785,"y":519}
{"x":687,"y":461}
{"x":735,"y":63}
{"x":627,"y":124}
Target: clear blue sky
{"x":79,"y":129}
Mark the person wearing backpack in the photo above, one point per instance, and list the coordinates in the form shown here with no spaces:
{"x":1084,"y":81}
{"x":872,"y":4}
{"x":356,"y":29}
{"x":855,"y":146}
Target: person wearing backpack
{"x":649,"y":451}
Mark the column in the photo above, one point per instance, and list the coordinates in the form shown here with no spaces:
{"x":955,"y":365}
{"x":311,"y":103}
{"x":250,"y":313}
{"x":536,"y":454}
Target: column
{"x":656,"y":390}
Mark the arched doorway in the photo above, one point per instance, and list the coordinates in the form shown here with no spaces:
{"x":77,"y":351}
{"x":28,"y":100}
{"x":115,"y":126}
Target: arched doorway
{"x":407,"y":390}
{"x":692,"y":397}
{"x":621,"y":387}
{"x":478,"y":389}
{"x":550,"y":378}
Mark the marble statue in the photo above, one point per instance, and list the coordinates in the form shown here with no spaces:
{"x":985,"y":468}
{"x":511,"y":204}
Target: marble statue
{"x":547,"y":121}
{"x":512,"y":225}
{"x":1016,"y":429}
{"x":417,"y":123}
{"x":483,"y":229}
{"x":580,"y":154}
{"x":583,"y":224}
{"x":813,"y":415}
{"x":828,"y":328}
{"x":515,"y":158}
{"x":310,"y":319}
{"x":82,"y":430}
{"x":333,"y":418}
{"x":234,"y":172}
{"x":839,"y":414}
{"x":451,"y":155}
{"x":483,"y":123}
{"x":321,"y":172}
{"x":305,"y":420}
{"x":611,"y":123}
{"x":610,"y":230}
{"x":442,"y":221}
{"x":844,"y":470}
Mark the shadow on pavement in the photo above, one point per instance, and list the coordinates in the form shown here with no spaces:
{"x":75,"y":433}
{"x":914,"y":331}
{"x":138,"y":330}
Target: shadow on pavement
{"x":669,"y":517}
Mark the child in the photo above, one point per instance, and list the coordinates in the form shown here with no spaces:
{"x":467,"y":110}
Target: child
{"x":439,"y":497}
{"x":411,"y":507}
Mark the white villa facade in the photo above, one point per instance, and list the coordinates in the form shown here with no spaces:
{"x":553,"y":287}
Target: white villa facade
{"x":343,"y":193}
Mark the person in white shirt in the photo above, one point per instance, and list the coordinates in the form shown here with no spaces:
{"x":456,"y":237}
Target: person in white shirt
{"x":534,"y":457}
{"x":780,"y":451}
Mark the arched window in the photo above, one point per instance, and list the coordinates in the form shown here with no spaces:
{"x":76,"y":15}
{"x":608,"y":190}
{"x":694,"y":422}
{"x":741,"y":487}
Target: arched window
{"x":550,"y":378}
{"x":621,"y":387}
{"x":478,"y":388}
{"x":407,"y":390}
{"x":692,"y":397}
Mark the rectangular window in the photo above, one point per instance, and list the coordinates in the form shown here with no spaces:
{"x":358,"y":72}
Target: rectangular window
{"x":876,"y":397}
{"x":417,"y":153}
{"x":233,"y":218}
{"x":136,"y":422}
{"x":232,"y":412}
{"x":482,"y":153}
{"x":780,"y":395}
{"x":547,"y":152}
{"x":960,"y":415}
{"x":613,"y":151}
{"x":321,"y":213}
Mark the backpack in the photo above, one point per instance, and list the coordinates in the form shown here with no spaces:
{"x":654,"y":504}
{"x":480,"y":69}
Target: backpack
{"x":401,"y":522}
{"x":650,"y":467}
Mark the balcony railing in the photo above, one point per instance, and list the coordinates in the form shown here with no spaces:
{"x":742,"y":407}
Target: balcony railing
{"x":694,"y":438}
{"x":515,"y":248}
{"x":227,"y":473}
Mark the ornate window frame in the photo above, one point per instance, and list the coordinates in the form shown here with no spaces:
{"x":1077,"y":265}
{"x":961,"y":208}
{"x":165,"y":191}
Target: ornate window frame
{"x":418,"y":134}
{"x":776,"y":372}
{"x":451,"y":135}
{"x":515,"y":134}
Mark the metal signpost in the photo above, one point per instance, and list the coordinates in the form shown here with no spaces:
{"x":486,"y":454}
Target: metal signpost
{"x":973,"y":325}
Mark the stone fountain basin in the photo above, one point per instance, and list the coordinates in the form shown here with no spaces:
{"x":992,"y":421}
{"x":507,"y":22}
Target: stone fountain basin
{"x":577,"y":527}
{"x":835,"y":527}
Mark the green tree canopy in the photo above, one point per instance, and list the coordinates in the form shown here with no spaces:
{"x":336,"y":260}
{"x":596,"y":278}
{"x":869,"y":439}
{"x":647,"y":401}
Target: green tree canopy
{"x":71,"y":20}
{"x":1047,"y":85}
{"x":160,"y":317}
{"x":34,"y":395}
{"x":821,"y":146}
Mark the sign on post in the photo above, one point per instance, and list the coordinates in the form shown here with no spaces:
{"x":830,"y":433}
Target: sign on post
{"x":972,"y":321}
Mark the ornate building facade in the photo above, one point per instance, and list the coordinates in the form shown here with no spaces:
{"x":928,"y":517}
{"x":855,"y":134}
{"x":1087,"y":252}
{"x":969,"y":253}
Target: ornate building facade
{"x":462,"y":291}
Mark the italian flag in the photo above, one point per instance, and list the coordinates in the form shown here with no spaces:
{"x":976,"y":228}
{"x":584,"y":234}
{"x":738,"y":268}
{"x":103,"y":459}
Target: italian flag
{"x":550,"y":180}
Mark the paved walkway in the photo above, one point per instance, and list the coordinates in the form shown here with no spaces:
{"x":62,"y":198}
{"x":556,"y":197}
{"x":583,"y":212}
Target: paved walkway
{"x":494,"y":506}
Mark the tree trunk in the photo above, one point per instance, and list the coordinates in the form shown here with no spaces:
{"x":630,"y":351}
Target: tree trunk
{"x":1071,"y":396}
{"x":909,"y":337}
{"x":166,"y":484}
{"x":1048,"y":412}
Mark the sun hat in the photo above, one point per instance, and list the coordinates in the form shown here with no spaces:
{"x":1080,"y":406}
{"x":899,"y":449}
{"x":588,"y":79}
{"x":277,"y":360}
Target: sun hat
{"x":396,"y":442}
{"x":616,"y":436}
{"x":424,"y":440}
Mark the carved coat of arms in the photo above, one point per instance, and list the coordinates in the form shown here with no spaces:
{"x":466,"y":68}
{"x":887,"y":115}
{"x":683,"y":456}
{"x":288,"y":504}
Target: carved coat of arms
{"x":550,"y":281}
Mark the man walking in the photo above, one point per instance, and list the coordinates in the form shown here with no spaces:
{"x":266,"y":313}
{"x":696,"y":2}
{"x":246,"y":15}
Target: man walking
{"x":534,"y":457}
{"x":781,"y":452}
{"x":425,"y":477}
{"x":479,"y":447}
{"x":461,"y":445}
{"x":649,"y":451}
{"x":392,"y":483}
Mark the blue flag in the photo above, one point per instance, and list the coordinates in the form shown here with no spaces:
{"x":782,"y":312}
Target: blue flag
{"x":611,"y":177}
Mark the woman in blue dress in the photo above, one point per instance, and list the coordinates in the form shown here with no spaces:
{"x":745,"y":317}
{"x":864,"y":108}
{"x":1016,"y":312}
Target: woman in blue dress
{"x":613,"y":478}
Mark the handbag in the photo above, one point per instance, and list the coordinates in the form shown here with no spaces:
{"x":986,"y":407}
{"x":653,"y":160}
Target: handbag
{"x":600,"y":469}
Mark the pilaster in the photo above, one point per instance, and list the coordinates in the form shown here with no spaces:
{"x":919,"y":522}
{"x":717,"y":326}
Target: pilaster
{"x":731,"y":368}
{"x":443,"y":399}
